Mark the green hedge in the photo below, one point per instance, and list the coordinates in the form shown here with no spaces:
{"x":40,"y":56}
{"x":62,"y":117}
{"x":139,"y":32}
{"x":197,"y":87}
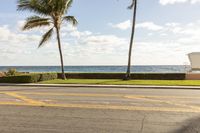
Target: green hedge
{"x":48,"y":76}
{"x":94,"y":75}
{"x":31,"y":78}
{"x":138,"y":76}
{"x":159,"y":76}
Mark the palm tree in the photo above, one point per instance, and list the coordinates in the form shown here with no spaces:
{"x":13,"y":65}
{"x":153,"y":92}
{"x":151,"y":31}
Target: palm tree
{"x":134,"y":7}
{"x":50,"y":13}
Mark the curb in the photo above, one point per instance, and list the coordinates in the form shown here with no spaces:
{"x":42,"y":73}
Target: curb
{"x":105,"y":86}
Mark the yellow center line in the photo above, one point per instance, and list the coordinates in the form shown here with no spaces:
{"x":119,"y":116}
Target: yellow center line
{"x":164,"y":101}
{"x":100,"y":95}
{"x":169,"y":97}
{"x":108,"y":107}
{"x":67,"y":94}
{"x":25,"y":99}
{"x":31,"y":102}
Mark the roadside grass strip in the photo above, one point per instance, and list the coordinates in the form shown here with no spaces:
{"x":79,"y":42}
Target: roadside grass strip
{"x":125,"y":82}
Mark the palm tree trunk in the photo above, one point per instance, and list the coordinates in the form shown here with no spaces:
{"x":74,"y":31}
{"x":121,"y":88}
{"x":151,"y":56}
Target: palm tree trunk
{"x":60,"y":51}
{"x":128,"y":73}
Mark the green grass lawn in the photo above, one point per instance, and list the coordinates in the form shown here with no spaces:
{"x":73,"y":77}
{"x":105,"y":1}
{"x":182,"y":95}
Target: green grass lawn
{"x":122,"y":82}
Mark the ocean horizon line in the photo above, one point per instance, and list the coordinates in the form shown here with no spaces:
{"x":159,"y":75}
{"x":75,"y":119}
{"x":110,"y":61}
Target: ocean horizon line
{"x":80,"y":65}
{"x":136,"y":68}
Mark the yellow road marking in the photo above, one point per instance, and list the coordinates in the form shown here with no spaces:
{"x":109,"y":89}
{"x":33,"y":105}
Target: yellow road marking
{"x":164,"y":101}
{"x":109,"y":107}
{"x":70,"y":94}
{"x":168,"y":97}
{"x":100,"y":95}
{"x":23,"y":98}
{"x":31,"y":102}
{"x":141,"y":97}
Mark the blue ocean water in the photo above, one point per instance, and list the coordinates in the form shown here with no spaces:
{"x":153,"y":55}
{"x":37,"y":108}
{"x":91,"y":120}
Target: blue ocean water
{"x":139,"y":69}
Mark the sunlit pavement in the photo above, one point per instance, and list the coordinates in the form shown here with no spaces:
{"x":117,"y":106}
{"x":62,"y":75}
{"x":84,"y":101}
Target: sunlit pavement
{"x":103,"y":110}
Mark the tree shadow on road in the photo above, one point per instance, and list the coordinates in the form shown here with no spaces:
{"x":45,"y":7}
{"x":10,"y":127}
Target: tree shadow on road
{"x":190,"y":126}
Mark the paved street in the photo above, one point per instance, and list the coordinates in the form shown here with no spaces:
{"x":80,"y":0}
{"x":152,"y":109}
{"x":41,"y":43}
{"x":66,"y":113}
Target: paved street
{"x":98,"y":110}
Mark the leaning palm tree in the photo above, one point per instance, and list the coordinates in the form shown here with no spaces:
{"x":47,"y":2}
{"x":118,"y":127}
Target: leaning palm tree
{"x":51,"y":13}
{"x":134,"y":7}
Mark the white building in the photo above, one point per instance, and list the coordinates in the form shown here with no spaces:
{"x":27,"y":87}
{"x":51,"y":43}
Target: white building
{"x":194,"y":61}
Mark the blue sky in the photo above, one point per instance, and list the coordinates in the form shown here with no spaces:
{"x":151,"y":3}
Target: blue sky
{"x":166,"y":31}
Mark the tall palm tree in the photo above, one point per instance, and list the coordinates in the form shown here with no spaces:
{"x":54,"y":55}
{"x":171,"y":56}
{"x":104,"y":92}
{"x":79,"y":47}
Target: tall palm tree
{"x":51,"y":13}
{"x":133,"y":6}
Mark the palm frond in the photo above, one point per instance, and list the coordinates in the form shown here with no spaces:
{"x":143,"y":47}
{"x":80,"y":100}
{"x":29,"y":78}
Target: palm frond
{"x":46,"y":37}
{"x":36,"y":21}
{"x":68,"y":4}
{"x":132,"y":5}
{"x":38,"y":6}
{"x":59,"y":7}
{"x":70,"y":19}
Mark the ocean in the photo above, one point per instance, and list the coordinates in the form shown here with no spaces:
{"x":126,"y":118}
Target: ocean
{"x":88,"y":69}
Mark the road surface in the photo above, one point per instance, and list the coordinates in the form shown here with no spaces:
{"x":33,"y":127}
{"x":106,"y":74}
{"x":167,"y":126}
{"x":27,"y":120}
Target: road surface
{"x":98,"y":110}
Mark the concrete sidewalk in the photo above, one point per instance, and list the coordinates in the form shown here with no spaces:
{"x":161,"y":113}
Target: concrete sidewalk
{"x":104,"y":86}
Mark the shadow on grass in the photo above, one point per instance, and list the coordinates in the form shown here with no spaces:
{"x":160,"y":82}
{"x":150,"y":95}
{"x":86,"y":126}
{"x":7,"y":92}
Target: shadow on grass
{"x":109,"y":82}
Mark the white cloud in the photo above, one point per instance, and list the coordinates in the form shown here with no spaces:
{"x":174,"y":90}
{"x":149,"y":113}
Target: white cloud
{"x":12,"y":37}
{"x":159,"y":45}
{"x":194,"y":1}
{"x":166,"y":2}
{"x":149,"y":26}
{"x":103,"y":40}
{"x":79,"y":47}
{"x":144,"y":25}
{"x":174,"y":40}
{"x":122,"y":26}
{"x":20,"y":24}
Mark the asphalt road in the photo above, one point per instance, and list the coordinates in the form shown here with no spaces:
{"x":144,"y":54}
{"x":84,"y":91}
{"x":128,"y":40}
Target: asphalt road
{"x":98,"y":110}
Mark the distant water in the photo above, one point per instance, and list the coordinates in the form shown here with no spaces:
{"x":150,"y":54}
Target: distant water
{"x":139,"y":69}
